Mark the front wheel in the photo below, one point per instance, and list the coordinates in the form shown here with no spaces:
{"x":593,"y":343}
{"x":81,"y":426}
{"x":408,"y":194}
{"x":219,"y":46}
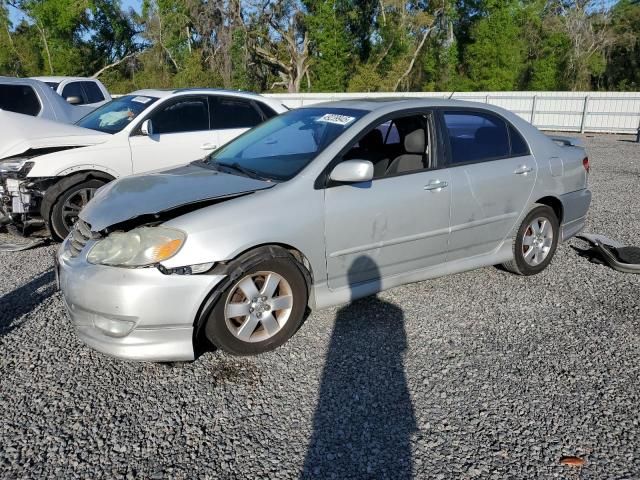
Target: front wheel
{"x":535,"y":242}
{"x":262,"y":308}
{"x":65,"y":211}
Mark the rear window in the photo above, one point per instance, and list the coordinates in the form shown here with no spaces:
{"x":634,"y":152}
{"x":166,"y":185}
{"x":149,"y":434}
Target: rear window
{"x":476,"y":137}
{"x":19,"y":99}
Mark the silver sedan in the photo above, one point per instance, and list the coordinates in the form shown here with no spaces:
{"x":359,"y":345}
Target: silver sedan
{"x":316,"y":207}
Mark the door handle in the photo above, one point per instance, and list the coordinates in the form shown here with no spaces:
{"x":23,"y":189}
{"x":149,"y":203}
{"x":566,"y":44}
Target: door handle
{"x":436,"y":185}
{"x":523,"y":170}
{"x":208,"y":146}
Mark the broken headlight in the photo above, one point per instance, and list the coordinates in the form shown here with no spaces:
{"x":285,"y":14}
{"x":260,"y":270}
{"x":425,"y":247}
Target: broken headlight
{"x":140,"y":247}
{"x":19,"y":166}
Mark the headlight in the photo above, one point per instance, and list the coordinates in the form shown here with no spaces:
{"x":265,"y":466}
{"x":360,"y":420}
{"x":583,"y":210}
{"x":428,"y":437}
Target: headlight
{"x":22,"y":166}
{"x":140,"y":247}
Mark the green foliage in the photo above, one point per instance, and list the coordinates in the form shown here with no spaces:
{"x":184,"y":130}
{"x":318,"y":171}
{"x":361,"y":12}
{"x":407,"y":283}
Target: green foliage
{"x":336,"y":45}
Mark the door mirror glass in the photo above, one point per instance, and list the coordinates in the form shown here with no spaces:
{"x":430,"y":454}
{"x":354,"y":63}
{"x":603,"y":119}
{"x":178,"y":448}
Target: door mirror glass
{"x":352,"y":171}
{"x":74,"y":100}
{"x":147,"y":127}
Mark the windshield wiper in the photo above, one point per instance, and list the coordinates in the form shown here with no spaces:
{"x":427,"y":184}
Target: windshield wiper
{"x":210,"y":165}
{"x":244,"y":170}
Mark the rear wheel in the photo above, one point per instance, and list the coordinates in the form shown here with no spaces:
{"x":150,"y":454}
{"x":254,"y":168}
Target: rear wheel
{"x":535,"y":242}
{"x":65,"y":211}
{"x":262,"y":308}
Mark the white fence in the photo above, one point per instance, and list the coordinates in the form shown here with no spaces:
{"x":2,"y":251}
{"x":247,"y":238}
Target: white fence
{"x":611,"y":112}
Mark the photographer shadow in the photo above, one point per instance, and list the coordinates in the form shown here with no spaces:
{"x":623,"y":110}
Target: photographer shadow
{"x":364,"y":418}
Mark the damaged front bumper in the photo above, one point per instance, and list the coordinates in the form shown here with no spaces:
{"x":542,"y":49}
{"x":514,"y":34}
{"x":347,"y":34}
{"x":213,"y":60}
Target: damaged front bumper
{"x":20,"y":200}
{"x":132,"y":313}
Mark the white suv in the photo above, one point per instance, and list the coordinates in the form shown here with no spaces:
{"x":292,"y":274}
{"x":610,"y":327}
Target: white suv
{"x":78,"y":90}
{"x":49,"y":171}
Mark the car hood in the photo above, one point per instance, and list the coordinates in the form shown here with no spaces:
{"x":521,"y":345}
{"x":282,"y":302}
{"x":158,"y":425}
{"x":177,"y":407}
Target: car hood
{"x":150,"y":195}
{"x":22,"y":133}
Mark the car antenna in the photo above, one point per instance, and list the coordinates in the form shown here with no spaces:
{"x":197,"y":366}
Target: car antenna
{"x":452,"y":94}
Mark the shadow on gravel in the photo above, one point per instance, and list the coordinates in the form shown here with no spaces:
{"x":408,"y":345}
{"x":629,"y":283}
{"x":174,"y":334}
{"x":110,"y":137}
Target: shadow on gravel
{"x":364,"y":419}
{"x":24,"y":299}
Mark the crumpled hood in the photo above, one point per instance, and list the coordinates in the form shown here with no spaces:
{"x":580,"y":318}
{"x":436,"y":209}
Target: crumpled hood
{"x":156,"y":192}
{"x":20,"y":133}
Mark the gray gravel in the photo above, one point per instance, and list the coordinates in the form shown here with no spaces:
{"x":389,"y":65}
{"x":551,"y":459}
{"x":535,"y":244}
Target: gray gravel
{"x":478,"y":375}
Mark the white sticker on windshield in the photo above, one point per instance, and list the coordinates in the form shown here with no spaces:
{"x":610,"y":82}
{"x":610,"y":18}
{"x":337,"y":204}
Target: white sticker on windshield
{"x":335,"y":118}
{"x":141,"y":99}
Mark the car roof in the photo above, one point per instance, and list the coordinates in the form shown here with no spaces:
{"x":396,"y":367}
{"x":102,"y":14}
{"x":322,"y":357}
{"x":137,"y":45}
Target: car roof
{"x":61,"y":78}
{"x":379,"y":103}
{"x":162,"y":93}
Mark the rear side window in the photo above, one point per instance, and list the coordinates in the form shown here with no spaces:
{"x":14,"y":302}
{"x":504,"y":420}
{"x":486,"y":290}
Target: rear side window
{"x":94,"y":94}
{"x":476,"y":136}
{"x":233,"y":113}
{"x":19,"y":99}
{"x":519,"y":147}
{"x":267,"y":111}
{"x":186,"y":115}
{"x":73,"y":89}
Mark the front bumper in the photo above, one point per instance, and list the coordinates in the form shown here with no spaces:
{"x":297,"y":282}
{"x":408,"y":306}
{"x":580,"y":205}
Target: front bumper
{"x":135,"y":314}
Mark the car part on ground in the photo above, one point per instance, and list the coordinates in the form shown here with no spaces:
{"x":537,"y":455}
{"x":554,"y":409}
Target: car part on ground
{"x":38,"y":158}
{"x":462,"y":186}
{"x":610,"y":252}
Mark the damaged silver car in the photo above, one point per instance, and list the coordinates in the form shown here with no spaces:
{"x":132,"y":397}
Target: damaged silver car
{"x":316,"y":207}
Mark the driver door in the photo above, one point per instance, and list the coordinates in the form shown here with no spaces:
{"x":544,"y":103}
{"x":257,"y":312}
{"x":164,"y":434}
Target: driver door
{"x":181,"y":134}
{"x":400,"y":219}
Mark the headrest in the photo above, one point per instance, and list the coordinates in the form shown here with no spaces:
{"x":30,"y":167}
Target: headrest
{"x":372,"y":140}
{"x":485,"y":135}
{"x":414,"y":141}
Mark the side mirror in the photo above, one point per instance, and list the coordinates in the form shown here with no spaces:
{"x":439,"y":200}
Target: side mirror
{"x":147,"y":127}
{"x":353,"y":171}
{"x":74,"y":100}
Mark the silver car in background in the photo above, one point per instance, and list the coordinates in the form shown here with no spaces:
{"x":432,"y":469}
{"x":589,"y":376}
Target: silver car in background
{"x":316,"y":207}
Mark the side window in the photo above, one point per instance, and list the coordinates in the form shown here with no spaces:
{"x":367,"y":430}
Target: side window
{"x":476,"y":136}
{"x":227,"y":112}
{"x":94,"y":94}
{"x":267,"y":111}
{"x":19,"y":99}
{"x":186,"y":115}
{"x":394,"y":147}
{"x":74,"y":89}
{"x":519,"y":147}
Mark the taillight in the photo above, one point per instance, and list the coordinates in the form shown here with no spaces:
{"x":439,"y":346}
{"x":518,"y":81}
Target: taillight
{"x":585,"y":164}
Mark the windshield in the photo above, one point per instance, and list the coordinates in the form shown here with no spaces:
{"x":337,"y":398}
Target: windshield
{"x":117,"y":114}
{"x":281,"y":147}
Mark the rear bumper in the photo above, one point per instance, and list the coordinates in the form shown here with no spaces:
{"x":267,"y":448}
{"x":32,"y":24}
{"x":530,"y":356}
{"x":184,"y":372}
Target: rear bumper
{"x":575,"y":206}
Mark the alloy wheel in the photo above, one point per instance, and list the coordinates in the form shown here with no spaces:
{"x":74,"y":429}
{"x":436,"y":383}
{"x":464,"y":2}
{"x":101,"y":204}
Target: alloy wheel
{"x":258,"y":306}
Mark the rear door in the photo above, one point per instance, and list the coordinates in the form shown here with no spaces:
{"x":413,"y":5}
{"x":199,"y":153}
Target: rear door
{"x":181,"y":134}
{"x":492,"y":177}
{"x":232,"y":116}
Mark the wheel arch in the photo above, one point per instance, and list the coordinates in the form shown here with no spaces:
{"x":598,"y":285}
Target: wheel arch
{"x":63,"y":184}
{"x":555,"y":204}
{"x":214,"y":295}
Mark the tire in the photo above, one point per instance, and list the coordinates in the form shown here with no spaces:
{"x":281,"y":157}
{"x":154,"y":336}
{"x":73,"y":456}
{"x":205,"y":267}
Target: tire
{"x":65,"y":210}
{"x":259,"y":326}
{"x":534,"y":258}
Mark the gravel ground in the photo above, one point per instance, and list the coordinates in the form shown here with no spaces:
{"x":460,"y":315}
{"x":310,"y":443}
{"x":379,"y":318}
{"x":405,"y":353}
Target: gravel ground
{"x":477,"y":375}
